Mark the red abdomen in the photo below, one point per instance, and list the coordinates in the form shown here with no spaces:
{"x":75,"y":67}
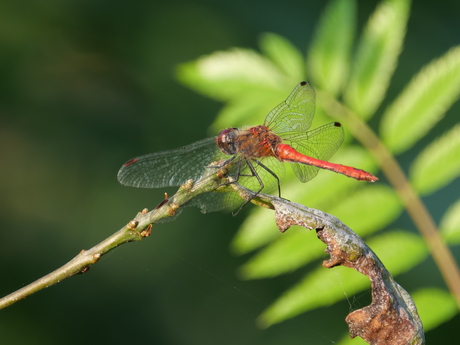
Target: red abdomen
{"x":286,"y":153}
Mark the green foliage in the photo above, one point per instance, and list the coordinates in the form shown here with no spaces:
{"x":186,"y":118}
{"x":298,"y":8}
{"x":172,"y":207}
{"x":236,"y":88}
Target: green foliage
{"x":434,"y":306}
{"x":438,"y":164}
{"x":283,"y":256}
{"x":256,"y":231}
{"x":330,"y":51}
{"x":283,"y":54}
{"x":450,"y":224}
{"x":376,"y":57}
{"x":228,"y":75}
{"x":399,"y":250}
{"x":246,"y":80}
{"x":423,"y":102}
{"x":251,"y":84}
{"x":369,"y":209}
{"x":318,"y":289}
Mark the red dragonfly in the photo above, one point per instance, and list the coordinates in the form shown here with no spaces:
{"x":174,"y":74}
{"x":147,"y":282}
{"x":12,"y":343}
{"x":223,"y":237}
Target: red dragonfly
{"x":255,"y":154}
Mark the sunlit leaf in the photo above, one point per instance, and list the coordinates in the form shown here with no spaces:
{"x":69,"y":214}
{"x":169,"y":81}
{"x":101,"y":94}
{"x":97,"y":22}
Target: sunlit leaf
{"x":284,"y":55}
{"x":329,"y":54}
{"x":450,"y":224}
{"x":376,"y":57}
{"x":369,"y":209}
{"x":322,"y":287}
{"x":224,"y":75}
{"x":434,"y":306}
{"x":438,"y":164}
{"x":423,"y":102}
{"x":291,"y":251}
{"x":257,"y":230}
{"x":398,"y":250}
{"x":249,"y":109}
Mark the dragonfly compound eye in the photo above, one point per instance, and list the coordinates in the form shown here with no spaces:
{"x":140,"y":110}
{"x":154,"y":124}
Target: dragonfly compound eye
{"x":226,"y":141}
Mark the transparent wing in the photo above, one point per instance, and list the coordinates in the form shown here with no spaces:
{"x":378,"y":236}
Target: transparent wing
{"x":170,"y":168}
{"x":230,"y":200}
{"x":217,"y":201}
{"x":295,"y":114}
{"x":320,"y":143}
{"x":175,"y":167}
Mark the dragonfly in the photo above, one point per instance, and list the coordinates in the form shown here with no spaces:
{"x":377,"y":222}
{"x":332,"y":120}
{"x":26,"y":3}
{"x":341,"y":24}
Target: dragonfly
{"x":254,"y":155}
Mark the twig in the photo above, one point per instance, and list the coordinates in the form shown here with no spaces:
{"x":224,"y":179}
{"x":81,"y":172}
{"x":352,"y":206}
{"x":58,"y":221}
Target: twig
{"x":134,"y":231}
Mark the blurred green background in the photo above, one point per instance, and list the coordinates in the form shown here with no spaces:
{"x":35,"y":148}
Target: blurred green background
{"x":86,"y":85}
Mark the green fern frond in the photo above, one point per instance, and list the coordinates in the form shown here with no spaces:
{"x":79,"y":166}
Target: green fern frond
{"x":369,"y":209}
{"x":438,"y":164}
{"x":283,"y":256}
{"x":284,"y":55}
{"x":225,"y":75}
{"x":434,"y":306}
{"x":330,"y":52}
{"x":423,"y":102}
{"x":450,"y":224}
{"x":257,"y":230}
{"x":376,"y":57}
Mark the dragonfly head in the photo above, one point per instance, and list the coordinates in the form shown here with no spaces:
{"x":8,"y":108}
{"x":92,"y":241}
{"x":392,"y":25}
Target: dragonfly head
{"x":226,"y":141}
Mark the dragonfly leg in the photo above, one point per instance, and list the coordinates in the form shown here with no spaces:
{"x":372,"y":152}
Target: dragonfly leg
{"x":221,"y":165}
{"x":238,"y":171}
{"x":253,"y":173}
{"x":271,"y":173}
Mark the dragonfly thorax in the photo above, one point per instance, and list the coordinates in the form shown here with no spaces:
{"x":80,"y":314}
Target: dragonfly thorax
{"x":254,"y":142}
